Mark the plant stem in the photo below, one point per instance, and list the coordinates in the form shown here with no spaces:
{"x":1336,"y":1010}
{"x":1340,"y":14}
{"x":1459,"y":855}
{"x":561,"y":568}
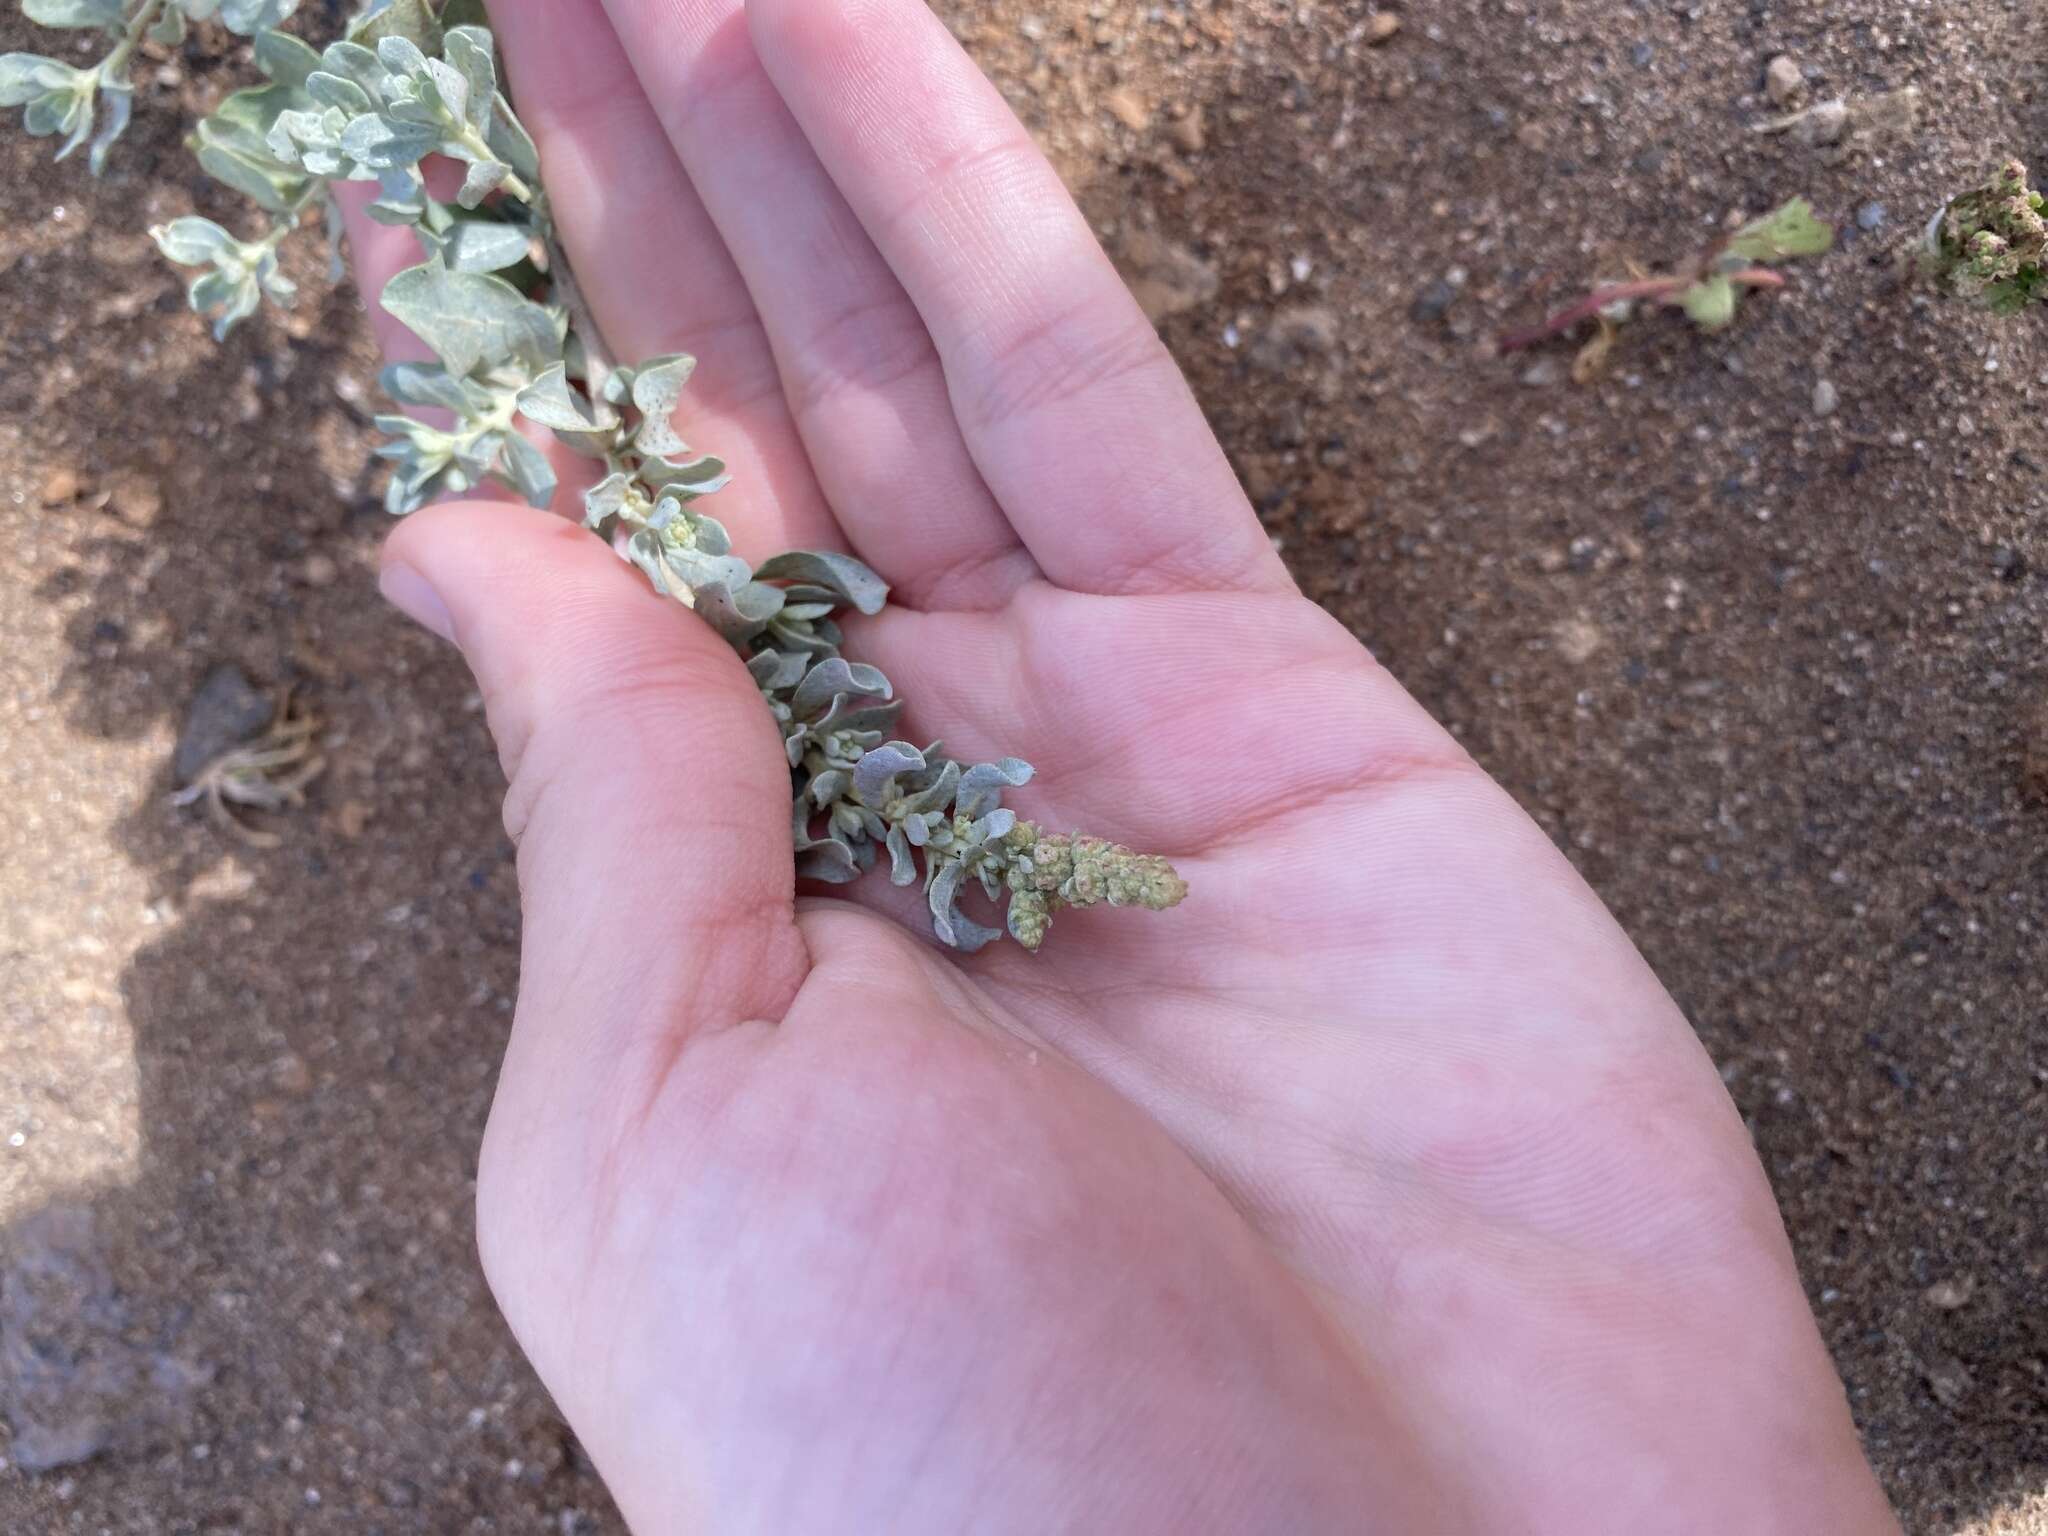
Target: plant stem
{"x":568,"y":292}
{"x":285,"y":223}
{"x":1660,"y":290}
{"x":582,"y":323}
{"x":514,"y":185}
{"x":139,"y":21}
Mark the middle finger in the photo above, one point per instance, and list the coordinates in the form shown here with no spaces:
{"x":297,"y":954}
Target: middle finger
{"x":649,"y":258}
{"x":867,"y":390}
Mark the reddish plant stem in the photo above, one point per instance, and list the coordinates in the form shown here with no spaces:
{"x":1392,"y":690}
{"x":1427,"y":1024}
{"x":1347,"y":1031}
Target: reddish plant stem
{"x":1661,"y":290}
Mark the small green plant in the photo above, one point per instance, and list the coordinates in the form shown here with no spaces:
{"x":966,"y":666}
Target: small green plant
{"x":498,"y":303}
{"x":1990,"y":246}
{"x":1706,"y":289}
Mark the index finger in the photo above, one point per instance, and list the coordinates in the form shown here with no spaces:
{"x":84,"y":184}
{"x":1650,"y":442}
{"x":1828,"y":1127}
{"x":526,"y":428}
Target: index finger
{"x":1076,"y":415}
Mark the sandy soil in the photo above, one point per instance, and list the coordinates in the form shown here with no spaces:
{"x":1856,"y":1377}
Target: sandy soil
{"x":1774,"y":678}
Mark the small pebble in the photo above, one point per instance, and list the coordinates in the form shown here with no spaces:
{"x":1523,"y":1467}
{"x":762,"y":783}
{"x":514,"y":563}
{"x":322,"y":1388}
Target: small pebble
{"x":1872,"y":216}
{"x":136,"y":499}
{"x":61,"y":487}
{"x":1129,"y":108}
{"x":1783,"y":79}
{"x":1433,"y":302}
{"x":1826,"y":398}
{"x":1381,"y":27}
{"x":1948,"y":1295}
{"x":318,"y":570}
{"x":1949,"y":1380}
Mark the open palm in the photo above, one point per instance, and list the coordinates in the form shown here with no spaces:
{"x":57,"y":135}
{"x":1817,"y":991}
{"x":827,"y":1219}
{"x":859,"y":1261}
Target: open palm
{"x":1379,"y":1187}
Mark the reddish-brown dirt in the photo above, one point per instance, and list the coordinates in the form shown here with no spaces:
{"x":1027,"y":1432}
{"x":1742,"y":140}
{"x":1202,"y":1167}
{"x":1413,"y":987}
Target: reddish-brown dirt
{"x":1773,"y":677}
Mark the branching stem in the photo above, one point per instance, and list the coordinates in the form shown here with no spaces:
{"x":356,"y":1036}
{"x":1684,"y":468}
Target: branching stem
{"x":139,"y":21}
{"x":1657,"y":290}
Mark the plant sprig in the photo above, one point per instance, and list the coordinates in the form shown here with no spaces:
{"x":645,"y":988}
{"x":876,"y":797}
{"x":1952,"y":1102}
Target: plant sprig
{"x":1708,"y":289}
{"x":1990,"y":246}
{"x":519,"y":354}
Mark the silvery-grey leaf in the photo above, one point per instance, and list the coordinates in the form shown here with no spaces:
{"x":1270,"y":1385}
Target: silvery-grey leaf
{"x":25,"y":76}
{"x":307,"y":139}
{"x":877,"y":721}
{"x":168,"y":30}
{"x":873,"y":825}
{"x":339,"y":92}
{"x":996,"y":825}
{"x":528,"y":470}
{"x":355,"y":63}
{"x":413,"y":19}
{"x":644,"y":550}
{"x":401,"y":198}
{"x":476,"y":455}
{"x":981,"y":788}
{"x":276,"y":287}
{"x":798,"y":639}
{"x":881,"y":764}
{"x":470,"y":50}
{"x":833,"y":677}
{"x":484,"y":178}
{"x":227,"y":297}
{"x":285,"y":59}
{"x":476,"y":246}
{"x":830,"y":862}
{"x":829,"y":786}
{"x":605,"y":499}
{"x":403,"y":57}
{"x":657,"y":385}
{"x":917,"y":830}
{"x":991,"y":878}
{"x":472,"y":318}
{"x":697,"y":477}
{"x":211,"y":290}
{"x":431,"y":384}
{"x":970,"y":937}
{"x":248,"y":16}
{"x":936,"y":796}
{"x":235,"y":161}
{"x":711,"y":535}
{"x":59,"y":112}
{"x":738,"y":612}
{"x":451,"y":87}
{"x":383,"y":143}
{"x":902,"y":867}
{"x":808,"y":610}
{"x":953,"y":926}
{"x":72,"y":13}
{"x":728,"y":573}
{"x":551,"y":401}
{"x":842,"y":575}
{"x":774,"y":670}
{"x":118,"y":102}
{"x":192,"y":241}
{"x":510,"y":141}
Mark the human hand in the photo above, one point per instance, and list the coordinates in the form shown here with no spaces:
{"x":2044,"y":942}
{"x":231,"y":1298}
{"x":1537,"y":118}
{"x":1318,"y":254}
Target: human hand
{"x":1379,"y":1187}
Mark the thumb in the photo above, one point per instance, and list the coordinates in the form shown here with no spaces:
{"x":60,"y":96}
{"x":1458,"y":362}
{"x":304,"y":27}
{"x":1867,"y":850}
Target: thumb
{"x":647,"y":793}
